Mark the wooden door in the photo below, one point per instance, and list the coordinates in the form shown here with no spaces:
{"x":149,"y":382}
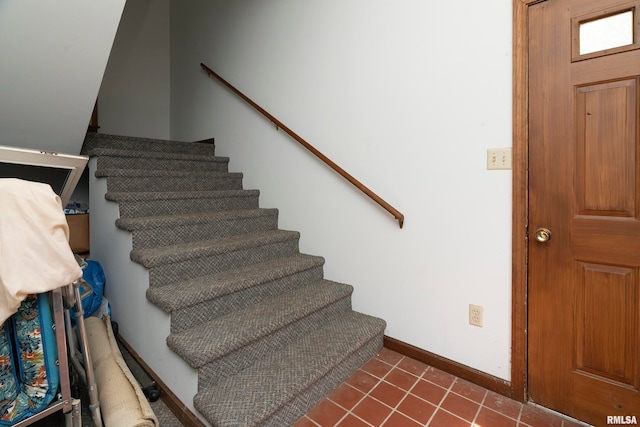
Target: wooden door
{"x":584,"y":187}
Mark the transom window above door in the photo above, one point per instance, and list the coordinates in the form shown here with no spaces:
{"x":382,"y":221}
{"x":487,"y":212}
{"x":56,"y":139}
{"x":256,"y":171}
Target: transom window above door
{"x":605,"y":32}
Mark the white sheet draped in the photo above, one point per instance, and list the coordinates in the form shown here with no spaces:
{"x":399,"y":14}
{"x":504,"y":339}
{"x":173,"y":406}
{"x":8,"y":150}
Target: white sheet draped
{"x":35,"y":255}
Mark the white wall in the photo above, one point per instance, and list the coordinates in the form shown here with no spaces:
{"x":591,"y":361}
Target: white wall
{"x":134,"y":96}
{"x":406,"y":96}
{"x":141,"y":324}
{"x":53,"y":57}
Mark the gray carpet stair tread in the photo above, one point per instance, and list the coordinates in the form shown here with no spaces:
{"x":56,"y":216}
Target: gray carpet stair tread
{"x":250,"y":397}
{"x":164,"y":221}
{"x":137,"y":173}
{"x":177,"y":195}
{"x":208,"y":181}
{"x":153,"y":257}
{"x":94,"y":141}
{"x":214,"y":339}
{"x":110,"y":138}
{"x":185,"y":294}
{"x":110,"y":152}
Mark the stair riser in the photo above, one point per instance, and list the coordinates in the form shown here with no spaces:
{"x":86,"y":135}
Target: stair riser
{"x":143,"y":239}
{"x":232,"y":363}
{"x":178,"y":296}
{"x":208,"y":310}
{"x":304,"y":402}
{"x":131,"y":143}
{"x":185,"y":270}
{"x":108,"y":162}
{"x":133,"y":209}
{"x":186,"y":183}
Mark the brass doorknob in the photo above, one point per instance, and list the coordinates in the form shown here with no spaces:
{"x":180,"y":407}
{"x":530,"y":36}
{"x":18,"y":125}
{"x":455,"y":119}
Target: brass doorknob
{"x":543,"y":235}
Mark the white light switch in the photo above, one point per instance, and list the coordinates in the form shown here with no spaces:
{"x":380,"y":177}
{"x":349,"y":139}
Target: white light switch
{"x":499,"y":158}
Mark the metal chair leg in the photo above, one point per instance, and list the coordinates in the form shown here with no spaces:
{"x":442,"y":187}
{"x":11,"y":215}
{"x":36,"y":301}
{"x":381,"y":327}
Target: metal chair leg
{"x":85,"y":369}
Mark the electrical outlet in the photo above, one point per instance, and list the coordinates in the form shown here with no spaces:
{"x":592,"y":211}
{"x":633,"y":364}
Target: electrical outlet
{"x":499,"y":158}
{"x":475,"y":315}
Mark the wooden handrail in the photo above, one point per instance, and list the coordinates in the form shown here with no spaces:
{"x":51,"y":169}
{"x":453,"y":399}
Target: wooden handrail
{"x":393,"y":211}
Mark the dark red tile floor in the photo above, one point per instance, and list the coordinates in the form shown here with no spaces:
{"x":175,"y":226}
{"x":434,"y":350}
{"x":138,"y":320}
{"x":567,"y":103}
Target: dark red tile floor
{"x":395,"y":391}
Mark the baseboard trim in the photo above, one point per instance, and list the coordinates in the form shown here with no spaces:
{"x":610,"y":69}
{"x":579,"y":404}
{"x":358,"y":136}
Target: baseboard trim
{"x":475,"y":376}
{"x":182,"y":413}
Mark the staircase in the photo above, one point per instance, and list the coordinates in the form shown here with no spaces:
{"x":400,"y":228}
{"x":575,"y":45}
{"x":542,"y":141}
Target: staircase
{"x":268,"y":336}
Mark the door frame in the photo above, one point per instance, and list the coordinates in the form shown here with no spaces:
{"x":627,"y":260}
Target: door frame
{"x":520,"y":198}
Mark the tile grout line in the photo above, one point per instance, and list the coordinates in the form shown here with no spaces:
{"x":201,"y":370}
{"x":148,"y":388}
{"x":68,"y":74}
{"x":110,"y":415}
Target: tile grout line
{"x":519,"y":423}
{"x":354,"y":405}
{"x":406,"y":393}
{"x":484,"y":398}
{"x":367,"y":394}
{"x":313,"y":421}
{"x":448,"y":392}
{"x":441,"y":401}
{"x":517,"y":420}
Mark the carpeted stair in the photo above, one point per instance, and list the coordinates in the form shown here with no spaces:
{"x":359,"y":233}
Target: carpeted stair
{"x":267,"y":334}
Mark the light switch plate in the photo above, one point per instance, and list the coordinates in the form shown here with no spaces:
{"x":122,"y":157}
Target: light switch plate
{"x":499,"y":158}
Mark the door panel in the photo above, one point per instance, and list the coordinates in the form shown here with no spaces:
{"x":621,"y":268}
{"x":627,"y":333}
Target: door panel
{"x":602,"y":298}
{"x":606,"y":172}
{"x":584,"y":185}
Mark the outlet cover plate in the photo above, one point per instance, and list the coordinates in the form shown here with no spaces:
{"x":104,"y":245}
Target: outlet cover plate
{"x":475,"y":315}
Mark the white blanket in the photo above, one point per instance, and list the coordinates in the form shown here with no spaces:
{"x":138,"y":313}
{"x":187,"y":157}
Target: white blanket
{"x":35,"y":255}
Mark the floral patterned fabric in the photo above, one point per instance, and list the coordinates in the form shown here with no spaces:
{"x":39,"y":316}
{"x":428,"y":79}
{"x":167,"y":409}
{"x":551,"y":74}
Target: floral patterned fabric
{"x":29,"y":376}
{"x":8,"y":379}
